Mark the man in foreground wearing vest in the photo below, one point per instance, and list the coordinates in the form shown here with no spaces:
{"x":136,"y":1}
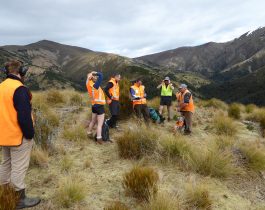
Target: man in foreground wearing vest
{"x":186,"y":107}
{"x":166,"y":96}
{"x":17,"y":132}
{"x":138,"y":96}
{"x":112,"y":91}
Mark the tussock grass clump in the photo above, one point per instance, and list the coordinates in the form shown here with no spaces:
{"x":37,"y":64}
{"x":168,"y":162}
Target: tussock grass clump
{"x":8,"y":198}
{"x":116,"y":206}
{"x":137,"y":141}
{"x":76,"y":133}
{"x":197,"y":197}
{"x":76,"y":99}
{"x":46,"y":123}
{"x":39,"y":158}
{"x":224,"y":126}
{"x":163,"y":202}
{"x":141,"y":182}
{"x":255,"y":156}
{"x":66,"y":163}
{"x":174,"y":146}
{"x":250,"y":108}
{"x":211,"y":162}
{"x":71,"y":191}
{"x":54,"y":97}
{"x":258,"y":115}
{"x":223,"y":142}
{"x":215,"y":103}
{"x":234,"y":111}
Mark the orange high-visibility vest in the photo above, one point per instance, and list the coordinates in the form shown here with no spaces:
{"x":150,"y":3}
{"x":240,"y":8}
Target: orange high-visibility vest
{"x":139,"y":92}
{"x":11,"y":133}
{"x":190,"y":107}
{"x":96,"y":95}
{"x":178,"y":95}
{"x":114,"y":91}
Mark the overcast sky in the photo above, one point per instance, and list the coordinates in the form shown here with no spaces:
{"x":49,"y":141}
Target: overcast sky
{"x":128,"y":27}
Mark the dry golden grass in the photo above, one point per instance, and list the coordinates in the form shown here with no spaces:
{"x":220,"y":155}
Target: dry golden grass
{"x":197,"y":196}
{"x":255,"y":155}
{"x":215,"y":103}
{"x":70,"y":191}
{"x":116,"y":206}
{"x":76,"y":99}
{"x":250,"y":108}
{"x":76,"y":133}
{"x":141,"y":182}
{"x":234,"y":111}
{"x":211,"y":161}
{"x":137,"y":141}
{"x":66,"y":163}
{"x":39,"y":158}
{"x":174,"y":146}
{"x":8,"y":198}
{"x":154,"y":103}
{"x":224,"y":126}
{"x":163,"y":202}
{"x":55,"y":97}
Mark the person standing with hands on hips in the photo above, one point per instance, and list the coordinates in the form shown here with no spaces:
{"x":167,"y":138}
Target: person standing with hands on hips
{"x":97,"y":97}
{"x":166,"y":96}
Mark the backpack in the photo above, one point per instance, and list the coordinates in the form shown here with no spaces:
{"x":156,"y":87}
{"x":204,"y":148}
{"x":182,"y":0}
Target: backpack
{"x":155,"y":116}
{"x":105,"y":131}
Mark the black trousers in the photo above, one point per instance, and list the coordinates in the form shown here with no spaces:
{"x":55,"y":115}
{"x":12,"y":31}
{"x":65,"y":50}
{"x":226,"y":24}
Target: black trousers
{"x":114,"y":108}
{"x":142,"y":110}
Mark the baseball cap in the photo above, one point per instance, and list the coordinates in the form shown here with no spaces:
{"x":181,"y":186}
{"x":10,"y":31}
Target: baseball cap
{"x":166,"y":78}
{"x":183,"y":86}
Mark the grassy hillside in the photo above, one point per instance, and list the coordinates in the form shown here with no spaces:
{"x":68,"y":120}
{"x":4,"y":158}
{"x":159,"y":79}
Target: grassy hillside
{"x":219,"y":167}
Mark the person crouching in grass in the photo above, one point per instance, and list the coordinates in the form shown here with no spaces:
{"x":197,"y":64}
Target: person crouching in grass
{"x":97,"y":98}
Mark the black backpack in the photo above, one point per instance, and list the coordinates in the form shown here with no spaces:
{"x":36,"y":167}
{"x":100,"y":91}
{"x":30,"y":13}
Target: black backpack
{"x":105,"y":131}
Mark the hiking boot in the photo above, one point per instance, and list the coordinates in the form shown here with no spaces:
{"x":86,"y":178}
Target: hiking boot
{"x":25,"y":202}
{"x":100,"y":141}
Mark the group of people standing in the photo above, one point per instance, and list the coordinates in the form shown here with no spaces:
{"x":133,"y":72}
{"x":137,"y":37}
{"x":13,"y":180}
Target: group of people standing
{"x":139,"y":102}
{"x":17,"y":127}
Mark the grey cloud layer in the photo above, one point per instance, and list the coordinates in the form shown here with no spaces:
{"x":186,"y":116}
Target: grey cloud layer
{"x":131,"y":27}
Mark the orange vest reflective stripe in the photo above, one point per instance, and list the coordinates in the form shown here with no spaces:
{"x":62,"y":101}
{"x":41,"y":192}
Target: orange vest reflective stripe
{"x":114,"y":91}
{"x":139,"y":92}
{"x":96,"y":95}
{"x":178,"y":95}
{"x":190,"y":107}
{"x":11,"y":133}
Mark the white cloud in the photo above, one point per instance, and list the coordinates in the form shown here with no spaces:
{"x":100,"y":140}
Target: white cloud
{"x":132,"y":27}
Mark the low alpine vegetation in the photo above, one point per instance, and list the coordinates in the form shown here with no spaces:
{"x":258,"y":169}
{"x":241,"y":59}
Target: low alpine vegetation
{"x":141,"y":182}
{"x":8,"y":198}
{"x":39,"y":158}
{"x":71,"y":191}
{"x":224,"y":126}
{"x":116,"y":206}
{"x":234,"y":111}
{"x":76,"y":133}
{"x":137,"y":141}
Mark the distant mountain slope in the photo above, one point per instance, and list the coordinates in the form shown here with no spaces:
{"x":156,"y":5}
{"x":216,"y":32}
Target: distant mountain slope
{"x":216,"y":60}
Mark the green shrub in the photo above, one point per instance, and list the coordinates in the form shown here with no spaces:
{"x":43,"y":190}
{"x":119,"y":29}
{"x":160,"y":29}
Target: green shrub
{"x":197,"y":197}
{"x":126,"y":108}
{"x":255,"y":156}
{"x":224,"y":126}
{"x":71,"y":191}
{"x":116,"y":206}
{"x":8,"y":198}
{"x":234,"y":111}
{"x":137,"y":141}
{"x":141,"y":182}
